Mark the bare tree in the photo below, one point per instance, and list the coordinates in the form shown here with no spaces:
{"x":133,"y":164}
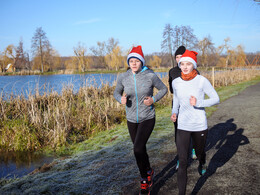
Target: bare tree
{"x":167,"y":43}
{"x":226,"y":46}
{"x":177,"y":36}
{"x":228,"y":49}
{"x":20,"y":58}
{"x":100,"y":51}
{"x":240,"y":56}
{"x":40,"y":45}
{"x":28,"y":64}
{"x":113,"y":56}
{"x":1,"y":61}
{"x":184,"y":35}
{"x":191,"y":41}
{"x":111,"y":44}
{"x":81,"y":56}
{"x":206,"y":47}
{"x":114,"y":59}
{"x":52,"y":59}
{"x":236,"y":56}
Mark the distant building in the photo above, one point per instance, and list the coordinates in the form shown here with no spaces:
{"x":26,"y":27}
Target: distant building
{"x":10,"y":68}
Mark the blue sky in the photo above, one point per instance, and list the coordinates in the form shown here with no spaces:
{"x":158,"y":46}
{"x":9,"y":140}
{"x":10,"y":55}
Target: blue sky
{"x":67,"y":22}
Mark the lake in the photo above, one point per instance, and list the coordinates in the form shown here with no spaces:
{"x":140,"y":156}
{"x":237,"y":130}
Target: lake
{"x":18,"y":85}
{"x":14,"y":165}
{"x":19,"y":164}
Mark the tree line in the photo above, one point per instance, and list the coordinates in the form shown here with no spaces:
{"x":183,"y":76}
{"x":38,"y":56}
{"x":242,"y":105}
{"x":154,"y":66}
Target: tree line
{"x":110,"y":56}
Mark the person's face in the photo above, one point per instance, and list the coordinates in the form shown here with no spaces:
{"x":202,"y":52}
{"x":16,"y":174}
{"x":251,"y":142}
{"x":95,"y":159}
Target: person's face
{"x":178,"y":57}
{"x":135,"y":65}
{"x":186,"y":67}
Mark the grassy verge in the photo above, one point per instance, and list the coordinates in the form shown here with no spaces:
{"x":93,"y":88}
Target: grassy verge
{"x":163,"y":125}
{"x":57,"y":123}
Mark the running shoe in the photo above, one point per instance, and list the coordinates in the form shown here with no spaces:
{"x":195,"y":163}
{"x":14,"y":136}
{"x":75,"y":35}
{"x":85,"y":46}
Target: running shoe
{"x":193,"y":154}
{"x":202,"y":169}
{"x":144,"y":187}
{"x":150,"y":174}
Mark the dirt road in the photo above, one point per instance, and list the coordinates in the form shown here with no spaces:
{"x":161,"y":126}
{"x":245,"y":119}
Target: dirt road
{"x":233,"y":151}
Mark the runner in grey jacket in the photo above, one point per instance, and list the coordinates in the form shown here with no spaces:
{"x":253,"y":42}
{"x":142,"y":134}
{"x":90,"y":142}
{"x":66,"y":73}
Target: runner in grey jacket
{"x":137,"y":87}
{"x":138,"y":84}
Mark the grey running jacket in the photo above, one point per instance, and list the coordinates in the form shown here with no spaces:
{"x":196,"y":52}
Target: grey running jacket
{"x":137,"y":87}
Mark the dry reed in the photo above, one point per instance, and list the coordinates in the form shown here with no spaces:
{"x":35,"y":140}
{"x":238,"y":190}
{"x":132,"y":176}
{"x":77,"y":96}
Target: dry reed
{"x":54,"y":120}
{"x":230,"y":77}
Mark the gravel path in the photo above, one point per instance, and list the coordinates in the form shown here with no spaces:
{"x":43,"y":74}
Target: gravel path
{"x":233,"y":151}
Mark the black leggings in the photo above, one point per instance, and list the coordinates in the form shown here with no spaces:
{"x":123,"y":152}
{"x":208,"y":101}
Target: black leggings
{"x":183,"y":144}
{"x":175,"y":129}
{"x":140,"y":133}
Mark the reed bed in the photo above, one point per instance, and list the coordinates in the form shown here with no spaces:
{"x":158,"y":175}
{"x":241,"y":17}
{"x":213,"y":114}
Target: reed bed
{"x":221,"y":79}
{"x":55,"y":120}
{"x":230,"y":77}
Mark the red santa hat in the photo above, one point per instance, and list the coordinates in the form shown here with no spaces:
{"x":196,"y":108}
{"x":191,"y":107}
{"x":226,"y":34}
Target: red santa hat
{"x":189,"y":56}
{"x":136,"y":52}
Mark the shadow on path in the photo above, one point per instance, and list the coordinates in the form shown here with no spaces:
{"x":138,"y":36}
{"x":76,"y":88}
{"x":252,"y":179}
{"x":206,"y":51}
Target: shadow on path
{"x":226,"y":145}
{"x":224,"y":153}
{"x":218,"y":133}
{"x":161,"y":178}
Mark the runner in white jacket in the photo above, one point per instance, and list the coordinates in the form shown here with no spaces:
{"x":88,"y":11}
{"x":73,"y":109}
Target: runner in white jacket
{"x":188,"y":108}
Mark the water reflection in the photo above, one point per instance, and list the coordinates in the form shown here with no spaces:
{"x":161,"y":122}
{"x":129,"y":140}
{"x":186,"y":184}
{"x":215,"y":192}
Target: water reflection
{"x":29,"y":84}
{"x":18,"y":164}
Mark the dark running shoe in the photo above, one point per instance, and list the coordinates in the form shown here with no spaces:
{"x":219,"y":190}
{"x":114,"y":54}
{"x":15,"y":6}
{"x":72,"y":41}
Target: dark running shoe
{"x":144,"y":187}
{"x":202,"y":169}
{"x":150,"y":174}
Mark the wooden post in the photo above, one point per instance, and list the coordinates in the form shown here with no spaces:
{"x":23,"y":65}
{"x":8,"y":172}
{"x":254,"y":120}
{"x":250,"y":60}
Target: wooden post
{"x":213,"y":77}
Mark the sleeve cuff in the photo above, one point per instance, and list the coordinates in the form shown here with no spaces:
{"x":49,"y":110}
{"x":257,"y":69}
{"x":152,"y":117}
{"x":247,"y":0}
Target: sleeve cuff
{"x":153,"y":100}
{"x":198,"y":103}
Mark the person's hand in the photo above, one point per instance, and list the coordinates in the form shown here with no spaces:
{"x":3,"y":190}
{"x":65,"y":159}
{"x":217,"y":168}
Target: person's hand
{"x":148,"y":101}
{"x":123,"y":99}
{"x":174,"y":117}
{"x":193,"y":101}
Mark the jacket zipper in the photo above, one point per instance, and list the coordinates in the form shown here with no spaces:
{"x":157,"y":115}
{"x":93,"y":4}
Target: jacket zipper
{"x":136,"y":96}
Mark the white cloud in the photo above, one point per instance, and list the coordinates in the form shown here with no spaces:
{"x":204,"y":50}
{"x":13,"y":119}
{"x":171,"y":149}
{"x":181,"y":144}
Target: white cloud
{"x":7,"y":37}
{"x":168,"y":14}
{"x":232,"y":26}
{"x":94,"y":20}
